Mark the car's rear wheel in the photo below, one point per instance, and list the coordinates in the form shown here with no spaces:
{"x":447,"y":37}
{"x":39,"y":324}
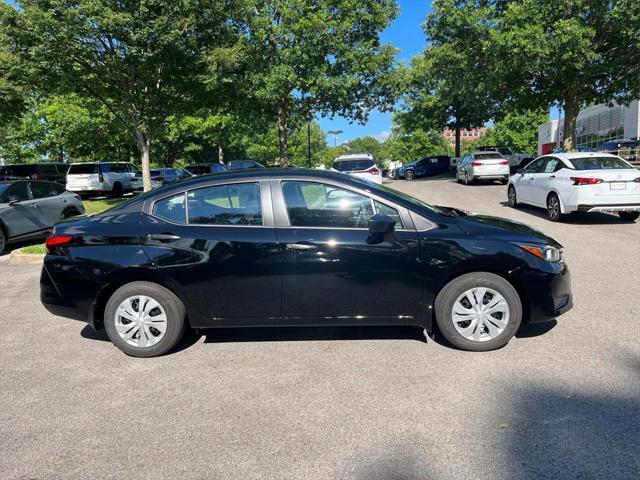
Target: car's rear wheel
{"x":478,"y":311}
{"x":554,"y":211}
{"x":409,"y":175}
{"x":3,"y":239}
{"x":117,"y":191}
{"x":70,"y":212}
{"x":629,"y":216}
{"x":512,"y":196}
{"x":466,"y":178}
{"x":144,"y":319}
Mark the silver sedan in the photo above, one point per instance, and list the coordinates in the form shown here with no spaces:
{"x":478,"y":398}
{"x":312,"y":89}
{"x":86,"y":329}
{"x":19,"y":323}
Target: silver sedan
{"x":30,"y":208}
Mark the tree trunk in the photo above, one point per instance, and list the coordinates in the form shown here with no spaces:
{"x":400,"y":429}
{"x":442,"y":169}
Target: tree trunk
{"x":571,"y":111}
{"x":144,"y":146}
{"x":282,"y":134}
{"x":457,"y":127}
{"x":220,"y":152}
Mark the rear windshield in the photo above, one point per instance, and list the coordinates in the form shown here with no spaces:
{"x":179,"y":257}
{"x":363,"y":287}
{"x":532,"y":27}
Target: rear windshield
{"x":83,"y":168}
{"x":18,"y":170}
{"x":599,"y":163}
{"x":353,"y":165}
{"x":198,"y":169}
{"x":487,"y":156}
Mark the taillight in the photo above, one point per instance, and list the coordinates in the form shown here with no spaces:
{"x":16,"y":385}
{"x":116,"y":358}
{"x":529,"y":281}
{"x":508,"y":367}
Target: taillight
{"x":504,"y":163}
{"x":586,"y":180}
{"x":373,"y":171}
{"x":477,"y":164}
{"x":55,"y":241}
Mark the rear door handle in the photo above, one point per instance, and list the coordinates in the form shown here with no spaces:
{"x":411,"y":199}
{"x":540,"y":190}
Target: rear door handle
{"x":34,"y":205}
{"x":301,"y":246}
{"x":163,"y":237}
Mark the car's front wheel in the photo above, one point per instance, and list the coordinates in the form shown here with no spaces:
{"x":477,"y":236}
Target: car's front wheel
{"x":629,"y":216}
{"x":144,"y":319}
{"x":409,"y":175}
{"x":478,"y":311}
{"x":512,"y":196}
{"x":3,"y":240}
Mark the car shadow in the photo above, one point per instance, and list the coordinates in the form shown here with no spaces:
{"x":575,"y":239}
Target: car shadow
{"x":575,"y":218}
{"x":298,"y":334}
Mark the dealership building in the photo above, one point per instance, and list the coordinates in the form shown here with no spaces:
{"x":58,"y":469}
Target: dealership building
{"x":595,"y":126}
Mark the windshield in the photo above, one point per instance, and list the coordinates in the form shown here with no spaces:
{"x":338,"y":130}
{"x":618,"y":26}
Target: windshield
{"x":353,"y":165}
{"x":83,"y":168}
{"x":599,"y":163}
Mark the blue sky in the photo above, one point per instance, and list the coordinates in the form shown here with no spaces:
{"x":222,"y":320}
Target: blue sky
{"x":406,"y":34}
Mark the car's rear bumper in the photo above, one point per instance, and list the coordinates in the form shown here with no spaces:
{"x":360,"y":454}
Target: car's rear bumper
{"x":612,"y":207}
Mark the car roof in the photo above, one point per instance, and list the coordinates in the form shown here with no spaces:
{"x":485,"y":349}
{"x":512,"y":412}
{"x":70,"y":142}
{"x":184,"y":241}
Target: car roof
{"x":354,"y":156}
{"x":571,"y":155}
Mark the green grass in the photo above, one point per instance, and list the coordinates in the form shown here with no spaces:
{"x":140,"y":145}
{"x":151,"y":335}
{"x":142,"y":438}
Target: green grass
{"x":91,"y":207}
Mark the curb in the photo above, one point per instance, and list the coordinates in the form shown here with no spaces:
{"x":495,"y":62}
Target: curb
{"x":18,"y":258}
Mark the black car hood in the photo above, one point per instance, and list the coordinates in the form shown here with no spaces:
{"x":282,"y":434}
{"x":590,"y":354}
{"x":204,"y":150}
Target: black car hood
{"x":486,"y":226}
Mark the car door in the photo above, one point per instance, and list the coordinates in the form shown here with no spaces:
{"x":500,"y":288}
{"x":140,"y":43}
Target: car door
{"x":20,"y":217}
{"x":544,"y":182}
{"x":218,"y":243}
{"x":50,"y":205}
{"x":331,"y":269}
{"x":525,"y":186}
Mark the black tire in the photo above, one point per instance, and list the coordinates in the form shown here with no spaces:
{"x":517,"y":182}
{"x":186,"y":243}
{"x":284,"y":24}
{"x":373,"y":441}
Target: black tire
{"x":457,"y":176}
{"x":409,"y":175}
{"x":504,"y":181}
{"x":451,"y":292}
{"x":629,"y":216}
{"x":70,"y":212}
{"x":173,"y":308}
{"x":554,"y":212}
{"x":512,"y":196}
{"x":117,"y":191}
{"x":3,"y":239}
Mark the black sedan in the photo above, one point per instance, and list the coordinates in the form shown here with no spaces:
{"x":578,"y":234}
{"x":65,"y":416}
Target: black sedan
{"x":296,"y":247}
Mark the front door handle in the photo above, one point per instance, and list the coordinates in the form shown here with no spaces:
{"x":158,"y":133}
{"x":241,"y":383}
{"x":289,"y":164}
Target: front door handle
{"x":34,"y":205}
{"x":552,"y":177}
{"x":301,"y":246}
{"x":163,"y":237}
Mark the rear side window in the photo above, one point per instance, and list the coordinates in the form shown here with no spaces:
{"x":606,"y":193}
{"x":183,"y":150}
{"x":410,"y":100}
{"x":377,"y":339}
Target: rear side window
{"x":171,"y":209}
{"x":553,"y":165}
{"x":47,"y":169}
{"x":20,"y":170}
{"x":117,"y":168}
{"x":83,"y":168}
{"x":234,"y":204}
{"x":353,"y":165}
{"x":312,"y":204}
{"x":599,"y":163}
{"x":42,"y":190}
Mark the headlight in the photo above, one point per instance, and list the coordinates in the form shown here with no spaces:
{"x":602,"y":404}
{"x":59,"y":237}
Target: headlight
{"x":546,"y":252}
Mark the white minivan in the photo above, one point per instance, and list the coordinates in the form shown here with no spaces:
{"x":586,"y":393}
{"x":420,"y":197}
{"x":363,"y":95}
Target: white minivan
{"x":100,"y":178}
{"x":360,"y":165}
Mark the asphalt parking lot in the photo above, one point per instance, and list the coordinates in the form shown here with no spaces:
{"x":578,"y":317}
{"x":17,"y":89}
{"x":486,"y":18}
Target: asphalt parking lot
{"x":562,"y":400}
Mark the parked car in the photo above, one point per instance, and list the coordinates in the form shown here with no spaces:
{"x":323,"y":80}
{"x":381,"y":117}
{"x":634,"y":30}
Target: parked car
{"x":29,"y":209}
{"x":584,"y":182}
{"x":51,"y":171}
{"x":483,"y":166}
{"x":516,"y":160}
{"x":206,"y":168}
{"x":159,"y":177}
{"x":298,"y":247}
{"x":626,"y":149}
{"x":100,"y":178}
{"x":360,"y":165}
{"x":244,"y":164}
{"x":424,"y":167}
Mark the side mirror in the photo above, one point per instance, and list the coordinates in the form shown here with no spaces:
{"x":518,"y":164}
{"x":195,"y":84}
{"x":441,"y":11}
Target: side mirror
{"x":379,"y":226}
{"x":520,"y":171}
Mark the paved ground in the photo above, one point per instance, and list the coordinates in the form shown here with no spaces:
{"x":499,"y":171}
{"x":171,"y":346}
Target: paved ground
{"x":562,"y":401}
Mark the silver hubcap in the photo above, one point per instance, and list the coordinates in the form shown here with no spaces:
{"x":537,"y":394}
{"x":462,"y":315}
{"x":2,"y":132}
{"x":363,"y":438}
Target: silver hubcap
{"x":512,"y":196}
{"x":141,"y":321}
{"x":480,"y":314}
{"x":554,"y":208}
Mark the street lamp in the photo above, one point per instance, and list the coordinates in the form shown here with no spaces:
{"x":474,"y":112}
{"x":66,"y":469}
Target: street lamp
{"x":335,"y":134}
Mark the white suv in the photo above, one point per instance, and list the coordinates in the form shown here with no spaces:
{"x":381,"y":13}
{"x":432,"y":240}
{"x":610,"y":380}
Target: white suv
{"x":360,"y":165}
{"x":100,"y":178}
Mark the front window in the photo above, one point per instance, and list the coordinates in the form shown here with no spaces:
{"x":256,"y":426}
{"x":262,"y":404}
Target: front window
{"x":234,"y":204}
{"x":320,"y":205}
{"x":17,"y":191}
{"x":599,"y":163}
{"x":535,"y":166}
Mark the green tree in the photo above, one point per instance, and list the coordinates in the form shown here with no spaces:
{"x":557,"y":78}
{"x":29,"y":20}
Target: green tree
{"x":403,"y":146}
{"x":517,"y":131}
{"x":309,"y":56}
{"x":365,"y":145}
{"x":450,"y":81}
{"x":566,"y":52}
{"x":143,"y":60}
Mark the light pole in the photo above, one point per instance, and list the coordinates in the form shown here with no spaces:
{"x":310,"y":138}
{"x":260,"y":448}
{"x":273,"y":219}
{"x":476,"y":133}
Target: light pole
{"x":335,"y":134}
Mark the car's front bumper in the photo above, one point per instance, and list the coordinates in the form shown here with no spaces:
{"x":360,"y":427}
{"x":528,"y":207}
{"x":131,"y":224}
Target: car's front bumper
{"x":548,"y":293}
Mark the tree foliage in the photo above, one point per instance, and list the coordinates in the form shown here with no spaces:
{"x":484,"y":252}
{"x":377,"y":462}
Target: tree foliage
{"x":519,"y":131}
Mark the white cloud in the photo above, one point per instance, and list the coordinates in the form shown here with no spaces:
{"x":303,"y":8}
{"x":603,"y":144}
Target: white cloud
{"x":382,"y":136}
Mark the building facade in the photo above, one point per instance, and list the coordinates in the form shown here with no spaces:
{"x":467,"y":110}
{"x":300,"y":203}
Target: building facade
{"x":594,"y":126}
{"x":465,"y":135}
